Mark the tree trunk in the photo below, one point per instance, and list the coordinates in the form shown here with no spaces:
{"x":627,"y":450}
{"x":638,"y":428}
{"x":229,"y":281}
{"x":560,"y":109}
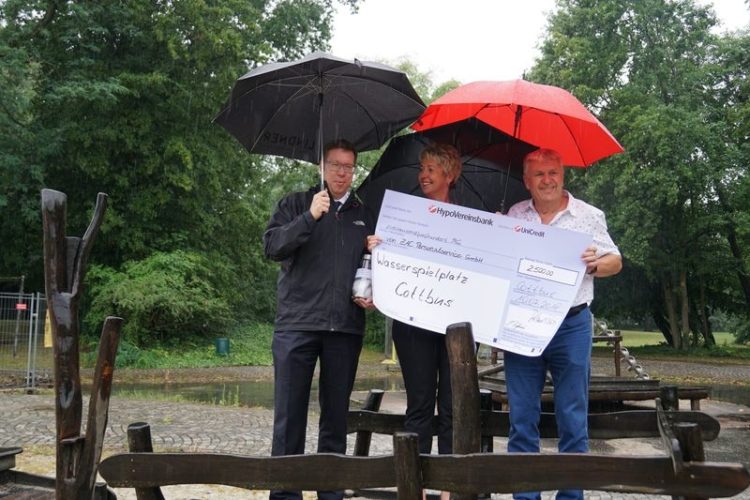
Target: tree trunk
{"x":674,"y":329}
{"x":703,"y":313}
{"x":684,"y":309}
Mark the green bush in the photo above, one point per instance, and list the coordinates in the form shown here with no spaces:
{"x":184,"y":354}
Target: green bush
{"x":375,"y":329}
{"x":164,"y":297}
{"x":741,"y":329}
{"x":250,"y":346}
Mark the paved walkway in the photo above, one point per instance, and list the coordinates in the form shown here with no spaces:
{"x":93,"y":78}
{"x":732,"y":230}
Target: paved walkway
{"x":29,"y":420}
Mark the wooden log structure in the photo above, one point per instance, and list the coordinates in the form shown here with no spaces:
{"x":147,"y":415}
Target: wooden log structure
{"x":65,"y":260}
{"x":681,"y":472}
{"x":464,"y":474}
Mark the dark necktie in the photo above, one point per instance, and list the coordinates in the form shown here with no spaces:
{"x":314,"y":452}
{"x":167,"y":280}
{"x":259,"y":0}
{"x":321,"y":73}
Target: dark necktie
{"x":336,"y":206}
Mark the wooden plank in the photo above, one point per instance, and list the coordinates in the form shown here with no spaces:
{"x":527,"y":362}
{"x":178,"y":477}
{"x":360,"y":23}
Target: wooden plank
{"x":364,"y":437}
{"x":8,"y":457}
{"x":464,"y":474}
{"x":467,"y":427}
{"x":599,"y":394}
{"x":139,"y":441}
{"x":293,"y":472}
{"x":530,"y":472}
{"x":407,"y":465}
{"x":101,"y":390}
{"x":613,"y":425}
{"x":459,"y":342}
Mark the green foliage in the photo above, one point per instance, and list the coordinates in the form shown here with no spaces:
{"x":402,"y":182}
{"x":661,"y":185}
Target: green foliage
{"x":670,"y":91}
{"x":165,"y":296}
{"x":101,"y":95}
{"x":740,"y":326}
{"x":250,"y":345}
{"x":375,"y":330}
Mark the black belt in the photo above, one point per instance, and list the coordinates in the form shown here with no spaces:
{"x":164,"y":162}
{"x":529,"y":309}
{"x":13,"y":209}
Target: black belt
{"x":575,"y":310}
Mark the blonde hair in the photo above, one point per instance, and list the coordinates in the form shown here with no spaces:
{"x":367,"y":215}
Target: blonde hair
{"x":446,"y":156}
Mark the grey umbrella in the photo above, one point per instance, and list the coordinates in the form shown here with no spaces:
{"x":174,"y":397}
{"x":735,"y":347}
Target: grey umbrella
{"x":292,"y":109}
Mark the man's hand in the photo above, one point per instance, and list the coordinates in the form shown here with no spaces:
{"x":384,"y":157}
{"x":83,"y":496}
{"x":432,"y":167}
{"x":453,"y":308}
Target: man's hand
{"x":590,"y":259}
{"x":321,"y":202}
{"x":364,"y":303}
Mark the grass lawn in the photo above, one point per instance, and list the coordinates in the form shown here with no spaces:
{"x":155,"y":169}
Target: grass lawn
{"x":634,"y":338}
{"x":653,"y":345}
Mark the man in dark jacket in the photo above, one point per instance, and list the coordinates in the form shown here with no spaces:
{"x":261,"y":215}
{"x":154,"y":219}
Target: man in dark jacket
{"x":319,"y":238}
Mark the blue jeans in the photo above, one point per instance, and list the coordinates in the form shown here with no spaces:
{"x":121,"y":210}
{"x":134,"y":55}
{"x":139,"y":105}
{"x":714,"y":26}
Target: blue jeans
{"x":568,"y":359}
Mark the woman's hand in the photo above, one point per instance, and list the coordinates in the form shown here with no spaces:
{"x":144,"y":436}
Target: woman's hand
{"x":373,"y":240}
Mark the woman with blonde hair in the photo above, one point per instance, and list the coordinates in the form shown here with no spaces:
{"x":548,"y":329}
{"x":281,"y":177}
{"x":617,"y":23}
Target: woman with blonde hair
{"x":422,"y":353}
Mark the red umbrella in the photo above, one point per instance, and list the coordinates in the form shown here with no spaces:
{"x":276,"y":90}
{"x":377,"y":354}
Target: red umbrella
{"x":542,"y":115}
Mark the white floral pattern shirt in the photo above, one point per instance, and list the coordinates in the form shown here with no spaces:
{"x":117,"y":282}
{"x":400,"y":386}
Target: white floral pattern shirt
{"x":577,"y":216}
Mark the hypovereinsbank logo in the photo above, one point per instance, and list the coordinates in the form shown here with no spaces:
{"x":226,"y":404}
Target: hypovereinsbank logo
{"x":457,"y":214}
{"x":526,"y":230}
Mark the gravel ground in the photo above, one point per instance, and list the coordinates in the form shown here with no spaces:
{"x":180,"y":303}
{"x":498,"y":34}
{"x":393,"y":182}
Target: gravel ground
{"x":28,"y":421}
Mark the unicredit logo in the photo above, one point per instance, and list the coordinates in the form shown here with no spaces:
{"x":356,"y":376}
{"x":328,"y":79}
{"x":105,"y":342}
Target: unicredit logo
{"x":526,"y":230}
{"x":432,"y":209}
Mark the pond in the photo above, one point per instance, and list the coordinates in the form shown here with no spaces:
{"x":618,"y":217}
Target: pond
{"x":250,"y":394}
{"x":260,"y":393}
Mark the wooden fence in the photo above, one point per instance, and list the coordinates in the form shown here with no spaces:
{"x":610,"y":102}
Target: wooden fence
{"x":471,"y":470}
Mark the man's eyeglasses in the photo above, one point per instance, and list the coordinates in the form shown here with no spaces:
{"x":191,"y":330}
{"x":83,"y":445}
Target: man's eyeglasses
{"x":335,"y":166}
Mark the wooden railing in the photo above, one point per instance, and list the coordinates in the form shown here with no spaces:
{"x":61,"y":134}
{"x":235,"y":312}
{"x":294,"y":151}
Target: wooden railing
{"x":680,"y":471}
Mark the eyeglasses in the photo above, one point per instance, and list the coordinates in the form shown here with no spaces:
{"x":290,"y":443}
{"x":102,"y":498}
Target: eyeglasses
{"x":335,"y":166}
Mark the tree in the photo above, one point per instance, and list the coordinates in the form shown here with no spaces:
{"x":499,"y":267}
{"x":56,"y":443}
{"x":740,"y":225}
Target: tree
{"x":118,"y":97}
{"x":648,"y":68}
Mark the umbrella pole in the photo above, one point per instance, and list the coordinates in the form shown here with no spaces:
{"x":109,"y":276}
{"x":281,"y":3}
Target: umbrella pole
{"x":320,"y":141}
{"x":511,"y":147}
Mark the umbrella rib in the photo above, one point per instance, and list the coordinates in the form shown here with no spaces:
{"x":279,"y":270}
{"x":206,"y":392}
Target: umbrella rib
{"x":294,"y":96}
{"x":308,"y":88}
{"x":578,"y":148}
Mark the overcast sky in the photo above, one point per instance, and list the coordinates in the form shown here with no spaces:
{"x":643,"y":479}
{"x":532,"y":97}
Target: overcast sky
{"x":466,"y":40}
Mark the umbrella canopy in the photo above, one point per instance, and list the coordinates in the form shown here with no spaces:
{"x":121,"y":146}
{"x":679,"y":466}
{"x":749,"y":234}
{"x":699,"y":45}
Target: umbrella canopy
{"x":292,"y":109}
{"x":484,"y":184}
{"x":542,"y":115}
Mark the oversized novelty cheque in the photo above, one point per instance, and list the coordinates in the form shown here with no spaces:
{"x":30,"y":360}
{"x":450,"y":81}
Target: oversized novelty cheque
{"x":440,"y":264}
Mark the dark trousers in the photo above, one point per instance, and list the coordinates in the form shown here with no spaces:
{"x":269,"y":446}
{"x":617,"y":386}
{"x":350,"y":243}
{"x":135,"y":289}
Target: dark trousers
{"x":295,"y":354}
{"x":424,"y":364}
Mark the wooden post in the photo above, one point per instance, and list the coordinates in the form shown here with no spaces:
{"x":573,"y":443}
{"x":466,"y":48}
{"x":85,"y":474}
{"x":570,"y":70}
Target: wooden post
{"x":688,"y":434}
{"x":485,"y":403}
{"x":618,"y":341}
{"x":669,"y":399}
{"x":364,"y":438}
{"x":139,"y":441}
{"x":65,"y":260}
{"x":407,"y":464}
{"x":487,"y":440}
{"x":467,"y":427}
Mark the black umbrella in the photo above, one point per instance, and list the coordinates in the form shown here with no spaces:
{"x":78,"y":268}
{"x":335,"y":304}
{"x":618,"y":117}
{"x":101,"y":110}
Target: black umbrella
{"x":292,"y":109}
{"x":491,"y":176}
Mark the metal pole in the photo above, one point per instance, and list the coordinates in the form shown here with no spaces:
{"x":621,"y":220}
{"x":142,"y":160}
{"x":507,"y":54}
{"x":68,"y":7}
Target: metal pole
{"x":18,"y":315}
{"x":37,"y":316}
{"x":390,"y":352}
{"x":29,"y":365}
